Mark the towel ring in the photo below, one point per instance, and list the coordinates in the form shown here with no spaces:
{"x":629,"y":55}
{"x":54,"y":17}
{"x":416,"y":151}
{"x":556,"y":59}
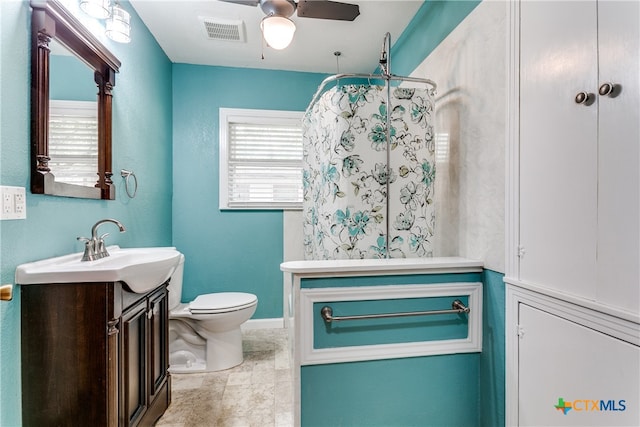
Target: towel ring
{"x":126,"y":175}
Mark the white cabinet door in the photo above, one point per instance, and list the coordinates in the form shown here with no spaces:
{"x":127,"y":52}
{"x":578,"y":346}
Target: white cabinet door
{"x":561,"y":363}
{"x":558,"y":145}
{"x":619,"y":156}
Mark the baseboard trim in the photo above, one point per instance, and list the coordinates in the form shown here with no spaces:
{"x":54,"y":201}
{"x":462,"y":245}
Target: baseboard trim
{"x":263,"y":324}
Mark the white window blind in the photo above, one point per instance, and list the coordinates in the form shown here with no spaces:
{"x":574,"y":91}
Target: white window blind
{"x":260,"y":159}
{"x":73,"y":141}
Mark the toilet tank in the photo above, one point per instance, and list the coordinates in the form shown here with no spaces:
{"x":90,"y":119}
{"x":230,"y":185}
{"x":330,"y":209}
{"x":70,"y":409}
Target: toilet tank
{"x":175,"y":285}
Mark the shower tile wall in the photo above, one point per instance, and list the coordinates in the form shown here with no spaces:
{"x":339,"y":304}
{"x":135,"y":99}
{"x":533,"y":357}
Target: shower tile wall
{"x":470,"y":133}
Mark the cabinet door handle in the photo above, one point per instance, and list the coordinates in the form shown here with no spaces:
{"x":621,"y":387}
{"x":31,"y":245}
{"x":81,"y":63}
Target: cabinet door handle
{"x":150,"y":314}
{"x":582,"y":98}
{"x":606,"y":89}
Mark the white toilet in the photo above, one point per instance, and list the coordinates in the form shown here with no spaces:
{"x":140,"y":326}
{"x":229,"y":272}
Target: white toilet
{"x":204,"y":335}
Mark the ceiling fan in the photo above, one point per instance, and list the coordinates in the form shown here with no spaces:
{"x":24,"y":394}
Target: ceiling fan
{"x":278,"y":29}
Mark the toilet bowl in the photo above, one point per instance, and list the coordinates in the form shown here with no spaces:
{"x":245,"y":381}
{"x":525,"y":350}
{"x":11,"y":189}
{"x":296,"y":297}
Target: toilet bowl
{"x":204,"y":334}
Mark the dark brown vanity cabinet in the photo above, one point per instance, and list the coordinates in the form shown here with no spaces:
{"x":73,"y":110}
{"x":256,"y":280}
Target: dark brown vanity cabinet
{"x":94,"y":354}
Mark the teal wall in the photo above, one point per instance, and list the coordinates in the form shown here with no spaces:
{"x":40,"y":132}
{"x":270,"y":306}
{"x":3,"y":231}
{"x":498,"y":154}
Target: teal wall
{"x":376,"y":331}
{"x":142,"y":127}
{"x":226,"y":250}
{"x":420,"y":391}
{"x":492,"y":358}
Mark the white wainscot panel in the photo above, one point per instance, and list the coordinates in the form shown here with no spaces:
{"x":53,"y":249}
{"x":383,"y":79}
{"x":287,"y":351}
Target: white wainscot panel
{"x":311,"y":356}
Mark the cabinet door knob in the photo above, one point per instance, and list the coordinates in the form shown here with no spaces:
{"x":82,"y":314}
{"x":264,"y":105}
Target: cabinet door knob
{"x":606,"y":89}
{"x":582,"y":98}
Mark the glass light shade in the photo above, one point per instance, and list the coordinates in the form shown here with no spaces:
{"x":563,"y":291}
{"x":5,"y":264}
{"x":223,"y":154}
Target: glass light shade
{"x":118,"y":25}
{"x":96,"y":8}
{"x":278,"y":31}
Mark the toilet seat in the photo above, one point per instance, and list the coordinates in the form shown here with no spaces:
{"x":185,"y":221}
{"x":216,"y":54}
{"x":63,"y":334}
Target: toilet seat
{"x":221,"y":302}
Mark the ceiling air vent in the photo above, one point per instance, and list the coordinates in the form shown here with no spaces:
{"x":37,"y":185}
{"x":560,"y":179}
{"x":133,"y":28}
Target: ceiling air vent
{"x":226,"y":30}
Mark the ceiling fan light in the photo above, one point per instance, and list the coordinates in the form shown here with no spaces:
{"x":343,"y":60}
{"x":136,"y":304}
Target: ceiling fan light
{"x":119,"y":25}
{"x":96,"y":8}
{"x":278,"y":31}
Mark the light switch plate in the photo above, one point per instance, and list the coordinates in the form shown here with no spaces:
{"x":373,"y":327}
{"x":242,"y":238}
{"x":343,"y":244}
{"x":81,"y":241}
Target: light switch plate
{"x":14,"y":202}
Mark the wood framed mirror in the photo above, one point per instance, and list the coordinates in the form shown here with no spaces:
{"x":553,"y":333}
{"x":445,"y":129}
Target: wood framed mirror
{"x":54,"y":28}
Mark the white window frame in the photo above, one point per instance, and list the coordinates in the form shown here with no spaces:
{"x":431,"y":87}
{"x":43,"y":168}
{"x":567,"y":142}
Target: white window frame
{"x":251,"y":116}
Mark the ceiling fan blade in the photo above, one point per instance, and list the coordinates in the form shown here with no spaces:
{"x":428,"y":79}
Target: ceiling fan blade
{"x":243,"y":2}
{"x":324,"y":9}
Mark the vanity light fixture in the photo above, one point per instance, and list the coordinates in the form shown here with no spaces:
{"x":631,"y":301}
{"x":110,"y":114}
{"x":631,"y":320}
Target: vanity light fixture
{"x":99,"y":9}
{"x":277,"y":31}
{"x":119,"y":25}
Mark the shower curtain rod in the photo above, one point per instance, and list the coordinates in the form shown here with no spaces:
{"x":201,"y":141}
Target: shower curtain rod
{"x":386,"y":77}
{"x":385,"y":65}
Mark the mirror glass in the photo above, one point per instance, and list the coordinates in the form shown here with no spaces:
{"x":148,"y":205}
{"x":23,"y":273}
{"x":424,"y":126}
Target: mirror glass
{"x":73,"y":119}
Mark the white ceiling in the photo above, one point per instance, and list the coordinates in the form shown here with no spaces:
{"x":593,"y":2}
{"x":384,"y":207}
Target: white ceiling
{"x":178,"y":29}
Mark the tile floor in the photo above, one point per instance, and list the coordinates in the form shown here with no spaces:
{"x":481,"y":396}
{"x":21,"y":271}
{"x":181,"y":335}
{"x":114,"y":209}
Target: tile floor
{"x":256,"y":393}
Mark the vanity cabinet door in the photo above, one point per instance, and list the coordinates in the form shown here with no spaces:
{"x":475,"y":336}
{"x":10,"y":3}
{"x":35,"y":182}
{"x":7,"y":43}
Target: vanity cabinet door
{"x":145,"y":356}
{"x":158,"y":342}
{"x":134,"y":356}
{"x":67,"y":335}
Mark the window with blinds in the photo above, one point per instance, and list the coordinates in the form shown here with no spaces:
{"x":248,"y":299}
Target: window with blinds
{"x":260,"y":159}
{"x":73,"y":141}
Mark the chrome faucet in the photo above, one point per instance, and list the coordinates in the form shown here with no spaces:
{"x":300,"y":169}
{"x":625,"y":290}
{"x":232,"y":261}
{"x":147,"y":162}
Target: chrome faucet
{"x":94,"y":247}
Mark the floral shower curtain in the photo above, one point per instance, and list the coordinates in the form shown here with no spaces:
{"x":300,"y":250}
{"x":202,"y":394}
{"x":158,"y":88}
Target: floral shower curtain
{"x":348,"y":210}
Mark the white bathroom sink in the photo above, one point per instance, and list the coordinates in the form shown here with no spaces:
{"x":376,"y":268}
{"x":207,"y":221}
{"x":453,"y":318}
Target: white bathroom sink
{"x":142,"y":269}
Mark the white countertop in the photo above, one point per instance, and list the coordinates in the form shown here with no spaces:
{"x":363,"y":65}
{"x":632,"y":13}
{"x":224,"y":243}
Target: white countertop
{"x":350,"y":267}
